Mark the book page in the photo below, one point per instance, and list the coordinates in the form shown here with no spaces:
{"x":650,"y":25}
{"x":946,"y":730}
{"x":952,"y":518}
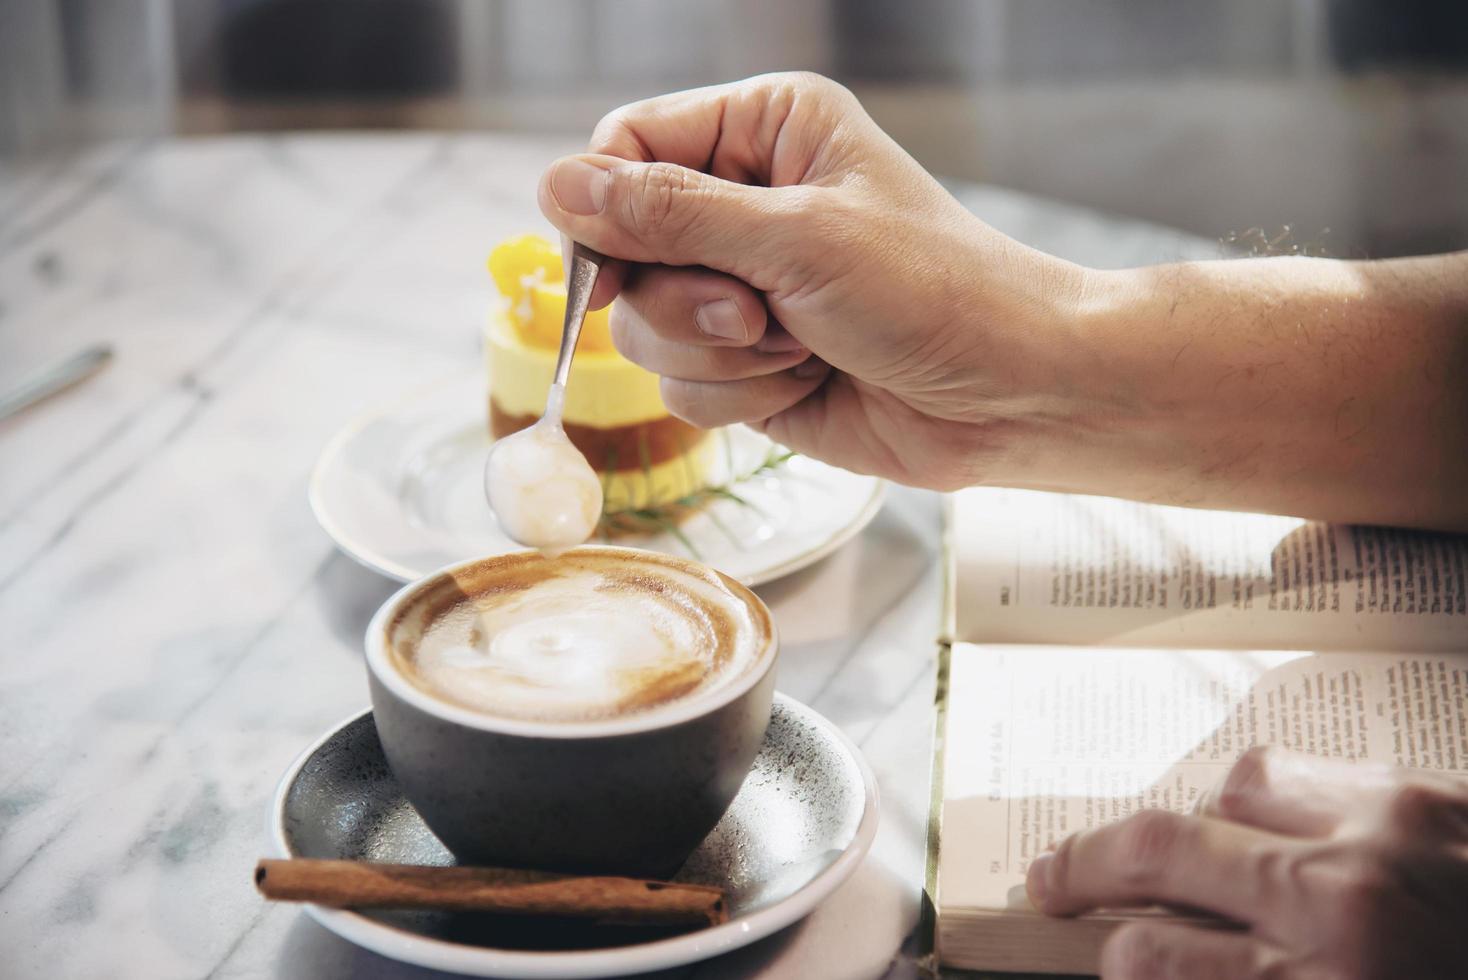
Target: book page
{"x":1045,"y":741}
{"x":1058,"y":568}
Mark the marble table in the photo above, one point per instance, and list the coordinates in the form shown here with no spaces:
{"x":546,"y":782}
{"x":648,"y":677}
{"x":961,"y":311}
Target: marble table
{"x":176,"y":628}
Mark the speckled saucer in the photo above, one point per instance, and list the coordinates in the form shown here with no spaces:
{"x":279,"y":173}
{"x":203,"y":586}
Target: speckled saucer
{"x":800,"y":825}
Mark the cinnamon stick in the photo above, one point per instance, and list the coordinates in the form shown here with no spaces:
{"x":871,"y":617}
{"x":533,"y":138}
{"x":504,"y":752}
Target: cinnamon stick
{"x":360,"y":884}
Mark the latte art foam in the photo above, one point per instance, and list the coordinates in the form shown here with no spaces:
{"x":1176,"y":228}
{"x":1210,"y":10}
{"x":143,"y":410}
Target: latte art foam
{"x":583,"y":637}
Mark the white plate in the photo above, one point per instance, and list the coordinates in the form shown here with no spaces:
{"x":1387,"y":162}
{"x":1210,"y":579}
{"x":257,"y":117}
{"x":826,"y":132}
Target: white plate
{"x":401,"y":490}
{"x":801,"y":824}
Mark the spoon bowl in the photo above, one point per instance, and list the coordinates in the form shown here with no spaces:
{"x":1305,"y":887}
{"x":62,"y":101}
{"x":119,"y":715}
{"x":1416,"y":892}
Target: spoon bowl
{"x":541,"y":488}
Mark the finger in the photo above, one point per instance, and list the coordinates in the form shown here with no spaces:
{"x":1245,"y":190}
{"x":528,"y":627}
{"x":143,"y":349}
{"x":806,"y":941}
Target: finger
{"x":681,"y":127}
{"x":693,"y":306}
{"x":1160,"y":857}
{"x":764,"y":130}
{"x":1290,"y":793}
{"x":693,"y":362}
{"x":710,"y":404}
{"x":1419,"y":807}
{"x":670,"y":215}
{"x":1166,"y":951}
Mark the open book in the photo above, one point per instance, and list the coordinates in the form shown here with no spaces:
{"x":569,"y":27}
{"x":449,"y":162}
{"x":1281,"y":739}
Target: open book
{"x":1104,"y":656}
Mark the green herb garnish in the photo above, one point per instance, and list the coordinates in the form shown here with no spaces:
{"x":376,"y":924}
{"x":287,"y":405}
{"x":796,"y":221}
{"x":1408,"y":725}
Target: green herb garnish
{"x":666,"y":517}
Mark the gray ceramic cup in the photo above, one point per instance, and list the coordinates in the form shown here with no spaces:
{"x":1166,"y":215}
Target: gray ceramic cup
{"x":631,"y":795}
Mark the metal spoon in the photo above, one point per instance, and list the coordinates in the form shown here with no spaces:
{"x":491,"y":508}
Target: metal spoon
{"x":585,"y":267}
{"x":543,"y":491}
{"x":56,"y":378}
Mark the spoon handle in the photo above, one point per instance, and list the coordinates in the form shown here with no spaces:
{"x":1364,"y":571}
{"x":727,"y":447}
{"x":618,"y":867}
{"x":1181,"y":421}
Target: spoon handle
{"x":55,"y":378}
{"x":585,"y":265}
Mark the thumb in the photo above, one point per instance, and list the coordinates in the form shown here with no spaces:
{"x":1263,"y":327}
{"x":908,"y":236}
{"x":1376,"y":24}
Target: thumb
{"x":670,"y":215}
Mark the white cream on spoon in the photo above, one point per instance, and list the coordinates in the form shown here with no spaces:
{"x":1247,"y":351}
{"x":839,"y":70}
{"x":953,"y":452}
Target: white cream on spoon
{"x":543,"y":492}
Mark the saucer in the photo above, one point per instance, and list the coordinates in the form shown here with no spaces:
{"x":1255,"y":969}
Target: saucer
{"x":401,"y":490}
{"x":802,"y":822}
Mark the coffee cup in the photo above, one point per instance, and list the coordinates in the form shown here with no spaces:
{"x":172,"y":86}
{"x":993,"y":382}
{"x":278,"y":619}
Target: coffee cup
{"x":592,"y":713}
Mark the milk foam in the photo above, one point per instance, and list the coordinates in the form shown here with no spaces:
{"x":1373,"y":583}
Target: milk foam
{"x":585,"y":644}
{"x":543,"y":492}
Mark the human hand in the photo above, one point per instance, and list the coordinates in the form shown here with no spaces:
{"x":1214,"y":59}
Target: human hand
{"x":793,"y":268}
{"x":1336,"y":871}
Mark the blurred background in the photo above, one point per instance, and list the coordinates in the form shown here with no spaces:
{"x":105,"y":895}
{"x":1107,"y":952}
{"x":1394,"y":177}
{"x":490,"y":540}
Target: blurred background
{"x":1345,"y":121}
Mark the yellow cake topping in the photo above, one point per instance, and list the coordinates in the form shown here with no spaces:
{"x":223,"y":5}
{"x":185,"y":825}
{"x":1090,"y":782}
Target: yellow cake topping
{"x":531,"y":280}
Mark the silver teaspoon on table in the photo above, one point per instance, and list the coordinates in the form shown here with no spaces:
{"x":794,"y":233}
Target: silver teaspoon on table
{"x":56,"y":378}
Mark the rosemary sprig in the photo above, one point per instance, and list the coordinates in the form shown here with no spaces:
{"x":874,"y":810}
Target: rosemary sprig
{"x":665,"y":517}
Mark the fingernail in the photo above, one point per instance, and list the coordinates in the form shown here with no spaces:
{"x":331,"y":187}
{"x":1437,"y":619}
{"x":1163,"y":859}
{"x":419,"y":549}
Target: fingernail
{"x":810,"y":368}
{"x":1037,"y":882}
{"x":720,"y":318}
{"x":1204,"y":803}
{"x":578,"y":187}
{"x":778,"y":341}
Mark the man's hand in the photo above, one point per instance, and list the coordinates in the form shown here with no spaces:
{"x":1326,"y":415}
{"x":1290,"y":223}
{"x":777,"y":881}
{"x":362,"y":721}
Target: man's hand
{"x":1348,"y":872}
{"x":786,"y":264}
{"x":793,"y":268}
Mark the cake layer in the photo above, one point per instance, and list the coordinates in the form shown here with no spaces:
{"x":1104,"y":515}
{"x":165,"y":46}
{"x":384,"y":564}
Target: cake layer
{"x":661,"y":483}
{"x":619,"y":447}
{"x":606,"y":390}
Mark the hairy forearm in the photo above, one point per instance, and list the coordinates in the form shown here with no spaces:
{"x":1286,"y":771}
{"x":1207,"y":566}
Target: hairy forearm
{"x":1320,"y":388}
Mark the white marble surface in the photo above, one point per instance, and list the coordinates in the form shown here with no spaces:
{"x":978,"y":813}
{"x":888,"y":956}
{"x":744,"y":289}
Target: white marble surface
{"x":176,"y":627}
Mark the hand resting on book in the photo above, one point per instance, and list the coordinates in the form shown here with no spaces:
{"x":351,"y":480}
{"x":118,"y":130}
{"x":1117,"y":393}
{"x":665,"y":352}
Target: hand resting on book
{"x":792,"y":267}
{"x":1335,"y":871}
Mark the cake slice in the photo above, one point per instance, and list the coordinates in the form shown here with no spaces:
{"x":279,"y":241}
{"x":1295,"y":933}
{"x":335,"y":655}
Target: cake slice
{"x":614,"y":413}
